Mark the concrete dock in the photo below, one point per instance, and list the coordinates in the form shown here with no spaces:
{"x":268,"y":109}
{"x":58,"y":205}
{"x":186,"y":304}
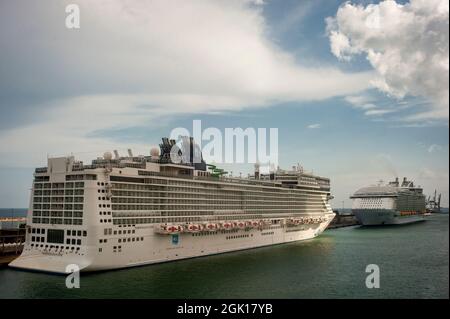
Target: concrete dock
{"x":343,"y":220}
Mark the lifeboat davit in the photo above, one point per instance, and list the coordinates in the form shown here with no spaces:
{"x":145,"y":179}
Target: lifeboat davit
{"x":161,"y":229}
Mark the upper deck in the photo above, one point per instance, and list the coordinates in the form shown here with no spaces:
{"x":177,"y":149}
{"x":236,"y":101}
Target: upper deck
{"x":156,"y":165}
{"x":392,"y":189}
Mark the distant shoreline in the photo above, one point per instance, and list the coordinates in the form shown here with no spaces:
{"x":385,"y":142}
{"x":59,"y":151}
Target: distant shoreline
{"x":13,"y":212}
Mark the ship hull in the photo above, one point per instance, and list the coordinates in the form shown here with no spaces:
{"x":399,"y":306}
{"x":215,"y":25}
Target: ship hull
{"x":132,"y":211}
{"x":368,"y":217}
{"x":158,"y":248}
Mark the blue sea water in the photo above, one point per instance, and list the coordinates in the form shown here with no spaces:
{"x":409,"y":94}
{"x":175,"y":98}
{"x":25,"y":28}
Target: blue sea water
{"x":413,"y":261}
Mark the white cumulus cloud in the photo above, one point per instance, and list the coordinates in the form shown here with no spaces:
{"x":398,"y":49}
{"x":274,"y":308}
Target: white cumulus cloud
{"x":378,"y":112}
{"x":407,"y":44}
{"x":434,"y":148}
{"x":132,"y":62}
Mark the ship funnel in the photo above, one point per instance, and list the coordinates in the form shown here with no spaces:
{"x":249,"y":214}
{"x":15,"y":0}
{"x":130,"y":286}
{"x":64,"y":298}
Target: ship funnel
{"x":116,"y":154}
{"x":130,"y":153}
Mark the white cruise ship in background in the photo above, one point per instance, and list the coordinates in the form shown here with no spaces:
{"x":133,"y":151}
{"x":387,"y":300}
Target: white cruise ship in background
{"x":127,"y":211}
{"x":393,"y":203}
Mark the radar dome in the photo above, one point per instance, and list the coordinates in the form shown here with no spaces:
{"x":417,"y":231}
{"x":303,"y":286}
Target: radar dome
{"x":154,"y":152}
{"x":107,"y":156}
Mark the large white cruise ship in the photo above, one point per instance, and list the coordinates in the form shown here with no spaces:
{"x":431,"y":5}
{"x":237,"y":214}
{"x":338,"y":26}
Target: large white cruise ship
{"x":127,"y":211}
{"x":393,"y":203}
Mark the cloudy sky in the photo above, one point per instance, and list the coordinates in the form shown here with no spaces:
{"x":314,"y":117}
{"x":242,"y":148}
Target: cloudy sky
{"x":358,"y":90}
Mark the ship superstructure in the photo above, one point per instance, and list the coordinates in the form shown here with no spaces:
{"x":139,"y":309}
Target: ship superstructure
{"x":394,"y":203}
{"x":126,"y":211}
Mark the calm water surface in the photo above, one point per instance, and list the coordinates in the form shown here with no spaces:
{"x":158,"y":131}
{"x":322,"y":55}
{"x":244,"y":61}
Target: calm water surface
{"x":413,"y":261}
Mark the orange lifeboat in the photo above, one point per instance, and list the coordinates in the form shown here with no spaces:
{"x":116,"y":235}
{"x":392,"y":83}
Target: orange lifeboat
{"x":211,"y":227}
{"x":227,"y":225}
{"x":172,"y":229}
{"x":192,"y":228}
{"x":255,"y":223}
{"x":241,"y":224}
{"x":169,"y":229}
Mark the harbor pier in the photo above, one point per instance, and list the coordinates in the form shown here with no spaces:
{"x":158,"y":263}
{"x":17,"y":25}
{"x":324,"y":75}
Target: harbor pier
{"x":342,"y":220}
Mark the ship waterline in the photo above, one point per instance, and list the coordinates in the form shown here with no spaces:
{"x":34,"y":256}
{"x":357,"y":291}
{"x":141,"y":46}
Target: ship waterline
{"x":162,"y":249}
{"x":130,"y":211}
{"x":386,"y":217}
